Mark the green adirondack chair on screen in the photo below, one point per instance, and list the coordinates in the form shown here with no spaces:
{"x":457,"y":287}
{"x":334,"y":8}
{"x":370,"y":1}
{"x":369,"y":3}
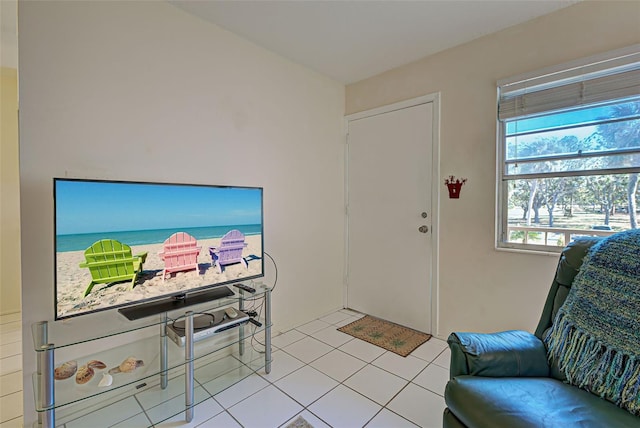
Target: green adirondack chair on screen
{"x":111,"y":261}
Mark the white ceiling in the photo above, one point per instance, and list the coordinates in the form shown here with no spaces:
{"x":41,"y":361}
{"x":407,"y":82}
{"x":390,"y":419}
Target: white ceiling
{"x":347,"y":40}
{"x":351,"y":40}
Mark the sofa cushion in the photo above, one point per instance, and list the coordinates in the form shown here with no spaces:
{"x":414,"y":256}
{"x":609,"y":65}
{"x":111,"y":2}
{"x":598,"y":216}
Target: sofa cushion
{"x":502,"y":354}
{"x":571,"y":259}
{"x":530,"y":402}
{"x":568,"y":266}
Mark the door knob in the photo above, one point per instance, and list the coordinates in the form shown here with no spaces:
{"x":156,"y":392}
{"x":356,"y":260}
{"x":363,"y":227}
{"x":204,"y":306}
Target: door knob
{"x":423,"y":229}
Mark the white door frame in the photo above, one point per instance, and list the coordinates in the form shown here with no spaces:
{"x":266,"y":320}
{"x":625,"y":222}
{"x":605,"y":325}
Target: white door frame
{"x":435,"y":194}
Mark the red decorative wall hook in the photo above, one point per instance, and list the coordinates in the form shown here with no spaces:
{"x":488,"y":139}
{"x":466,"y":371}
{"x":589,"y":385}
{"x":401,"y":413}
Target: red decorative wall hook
{"x":454,"y":185}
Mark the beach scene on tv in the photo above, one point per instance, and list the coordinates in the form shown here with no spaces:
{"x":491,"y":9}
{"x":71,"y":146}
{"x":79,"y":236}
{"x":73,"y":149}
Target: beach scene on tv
{"x":120,"y":243}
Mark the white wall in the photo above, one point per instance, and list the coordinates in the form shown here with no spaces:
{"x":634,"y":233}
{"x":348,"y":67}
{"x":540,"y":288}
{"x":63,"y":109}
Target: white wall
{"x":143,"y":91}
{"x":10,"y":194}
{"x":480,"y":288}
{"x":9,"y":187}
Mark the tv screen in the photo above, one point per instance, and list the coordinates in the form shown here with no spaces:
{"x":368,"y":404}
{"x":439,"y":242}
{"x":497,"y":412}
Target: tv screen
{"x":120,"y":243}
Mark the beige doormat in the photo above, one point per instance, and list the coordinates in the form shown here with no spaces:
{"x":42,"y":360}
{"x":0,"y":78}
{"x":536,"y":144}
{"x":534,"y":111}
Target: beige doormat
{"x":385,"y":334}
{"x":299,"y":422}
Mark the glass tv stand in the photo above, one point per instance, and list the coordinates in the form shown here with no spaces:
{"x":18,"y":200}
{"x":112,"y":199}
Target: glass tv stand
{"x":162,"y":360}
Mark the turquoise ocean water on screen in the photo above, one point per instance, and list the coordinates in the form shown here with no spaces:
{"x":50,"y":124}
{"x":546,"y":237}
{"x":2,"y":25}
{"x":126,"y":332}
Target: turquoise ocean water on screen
{"x":132,"y":238}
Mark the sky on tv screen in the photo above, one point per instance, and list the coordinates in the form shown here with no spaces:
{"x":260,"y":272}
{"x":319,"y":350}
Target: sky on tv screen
{"x":91,"y":207}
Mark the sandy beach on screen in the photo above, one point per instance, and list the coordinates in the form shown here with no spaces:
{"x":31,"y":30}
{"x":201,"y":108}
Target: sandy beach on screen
{"x":72,"y":280}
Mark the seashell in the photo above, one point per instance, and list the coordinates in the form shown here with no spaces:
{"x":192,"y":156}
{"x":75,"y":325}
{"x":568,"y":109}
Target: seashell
{"x":106,"y":380}
{"x":65,"y":370}
{"x":84,"y":375}
{"x":95,"y":364}
{"x":127,"y":366}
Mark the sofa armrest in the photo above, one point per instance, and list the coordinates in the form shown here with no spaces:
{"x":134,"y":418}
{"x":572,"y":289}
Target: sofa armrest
{"x":506,"y":354}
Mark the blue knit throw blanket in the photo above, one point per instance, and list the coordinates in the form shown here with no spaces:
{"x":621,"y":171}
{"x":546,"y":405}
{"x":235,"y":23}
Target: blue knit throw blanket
{"x":595,"y":337}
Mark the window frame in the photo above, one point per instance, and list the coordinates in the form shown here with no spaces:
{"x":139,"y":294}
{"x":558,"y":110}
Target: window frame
{"x":570,"y":72}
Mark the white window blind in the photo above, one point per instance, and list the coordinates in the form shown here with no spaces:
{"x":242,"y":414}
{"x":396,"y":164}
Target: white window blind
{"x":599,"y":81}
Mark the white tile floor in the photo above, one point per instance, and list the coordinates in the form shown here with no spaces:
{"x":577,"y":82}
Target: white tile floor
{"x":10,"y":371}
{"x":328,"y":377}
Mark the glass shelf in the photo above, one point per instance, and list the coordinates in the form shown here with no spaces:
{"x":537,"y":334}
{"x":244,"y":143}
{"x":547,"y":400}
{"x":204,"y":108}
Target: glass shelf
{"x":212,"y":381}
{"x":58,"y":332}
{"x":164,"y":361}
{"x":214,"y":374}
{"x":67,"y":391}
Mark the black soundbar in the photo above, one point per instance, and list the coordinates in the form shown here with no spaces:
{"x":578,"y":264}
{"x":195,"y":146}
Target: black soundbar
{"x":177,"y":302}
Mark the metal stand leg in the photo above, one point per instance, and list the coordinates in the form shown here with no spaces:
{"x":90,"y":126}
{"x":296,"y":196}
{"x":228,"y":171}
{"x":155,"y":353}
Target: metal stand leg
{"x":267,"y":332}
{"x":45,"y":360}
{"x":188,"y":368}
{"x":164,"y":380}
{"x":241,"y":329}
{"x":44,"y":367}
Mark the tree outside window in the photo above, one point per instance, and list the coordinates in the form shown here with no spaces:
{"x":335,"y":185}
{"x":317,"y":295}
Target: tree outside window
{"x":568,"y":168}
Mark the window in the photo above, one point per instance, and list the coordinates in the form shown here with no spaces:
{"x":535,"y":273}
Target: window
{"x":569,"y":152}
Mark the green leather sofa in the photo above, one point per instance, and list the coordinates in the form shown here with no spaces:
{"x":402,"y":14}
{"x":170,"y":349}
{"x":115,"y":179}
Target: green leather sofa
{"x":504,"y":379}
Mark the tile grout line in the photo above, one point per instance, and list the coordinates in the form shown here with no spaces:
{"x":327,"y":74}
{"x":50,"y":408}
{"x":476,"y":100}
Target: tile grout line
{"x":144,"y":412}
{"x":306,"y":408}
{"x":7,"y":319}
{"x":382,"y":407}
{"x":18,"y":418}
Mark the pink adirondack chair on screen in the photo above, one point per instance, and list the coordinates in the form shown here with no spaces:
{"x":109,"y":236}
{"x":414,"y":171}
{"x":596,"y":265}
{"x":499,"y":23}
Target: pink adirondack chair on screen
{"x":230,"y":250}
{"x":180,"y":253}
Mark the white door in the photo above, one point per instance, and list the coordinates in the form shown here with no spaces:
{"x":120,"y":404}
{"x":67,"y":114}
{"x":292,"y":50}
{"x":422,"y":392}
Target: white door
{"x":389,"y":215}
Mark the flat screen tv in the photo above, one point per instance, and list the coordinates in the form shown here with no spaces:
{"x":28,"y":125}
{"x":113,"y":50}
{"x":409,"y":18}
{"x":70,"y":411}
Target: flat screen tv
{"x":121,"y":243}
